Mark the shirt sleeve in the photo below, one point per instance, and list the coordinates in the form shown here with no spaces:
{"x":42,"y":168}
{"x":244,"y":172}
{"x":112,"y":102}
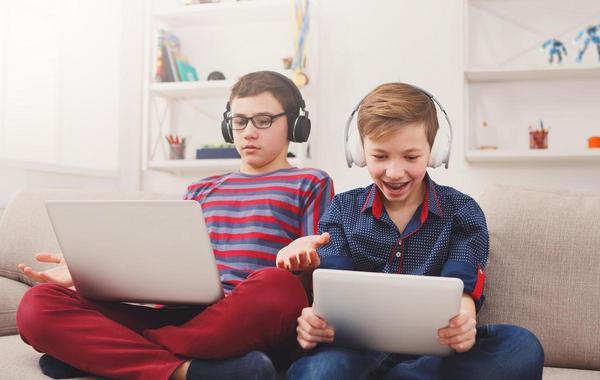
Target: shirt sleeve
{"x":469,"y":247}
{"x":336,"y":254}
{"x":318,"y":201}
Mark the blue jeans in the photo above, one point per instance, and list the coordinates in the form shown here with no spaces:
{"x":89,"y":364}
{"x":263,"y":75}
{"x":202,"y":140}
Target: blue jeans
{"x":500,"y":352}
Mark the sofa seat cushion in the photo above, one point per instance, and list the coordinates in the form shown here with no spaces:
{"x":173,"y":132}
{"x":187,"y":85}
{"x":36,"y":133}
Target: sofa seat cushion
{"x":544,"y":270}
{"x":20,"y":361}
{"x":553,"y":373}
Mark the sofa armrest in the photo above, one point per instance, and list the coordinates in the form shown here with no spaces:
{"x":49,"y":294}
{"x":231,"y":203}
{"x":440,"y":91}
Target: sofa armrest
{"x":25,"y":228}
{"x":11,"y":292}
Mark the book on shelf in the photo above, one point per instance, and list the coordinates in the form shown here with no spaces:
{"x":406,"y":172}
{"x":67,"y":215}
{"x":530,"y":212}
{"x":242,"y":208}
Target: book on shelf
{"x":171,"y":66}
{"x":187,"y":72}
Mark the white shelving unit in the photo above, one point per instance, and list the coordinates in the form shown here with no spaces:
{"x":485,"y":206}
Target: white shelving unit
{"x":510,"y":85}
{"x":506,"y":74}
{"x":200,"y":89}
{"x":257,"y":34}
{"x":221,"y":13}
{"x":533,"y":155}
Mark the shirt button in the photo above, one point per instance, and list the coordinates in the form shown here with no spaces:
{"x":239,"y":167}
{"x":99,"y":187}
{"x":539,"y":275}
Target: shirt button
{"x":398,"y":254}
{"x":399,"y":242}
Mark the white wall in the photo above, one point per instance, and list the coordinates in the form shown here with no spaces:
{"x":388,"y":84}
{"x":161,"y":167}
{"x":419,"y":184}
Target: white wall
{"x":360,"y":44}
{"x":420,"y":42}
{"x":124,"y":130}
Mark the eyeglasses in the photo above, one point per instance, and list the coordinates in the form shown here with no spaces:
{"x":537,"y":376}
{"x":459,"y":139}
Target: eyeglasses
{"x":259,"y":121}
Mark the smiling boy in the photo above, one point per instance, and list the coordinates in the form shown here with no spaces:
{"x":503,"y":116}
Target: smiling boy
{"x":406,"y":223}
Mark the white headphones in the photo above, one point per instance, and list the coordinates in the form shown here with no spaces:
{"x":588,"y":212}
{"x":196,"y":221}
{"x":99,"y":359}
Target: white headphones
{"x":440,"y":150}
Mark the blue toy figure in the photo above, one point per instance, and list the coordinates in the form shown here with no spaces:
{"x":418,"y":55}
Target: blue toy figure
{"x":591,"y":34}
{"x":556,"y":48}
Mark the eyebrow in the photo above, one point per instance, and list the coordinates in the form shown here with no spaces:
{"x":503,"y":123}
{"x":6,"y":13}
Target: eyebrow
{"x":265,"y":113}
{"x":407,"y":151}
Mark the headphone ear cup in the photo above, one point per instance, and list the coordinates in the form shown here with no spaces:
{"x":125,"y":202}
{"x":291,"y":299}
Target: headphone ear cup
{"x":355,"y":150}
{"x":226,"y":131}
{"x":300,"y":130}
{"x":440,"y":150}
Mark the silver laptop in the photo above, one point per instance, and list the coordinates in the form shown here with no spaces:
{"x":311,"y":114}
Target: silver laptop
{"x":387,"y":312}
{"x":137,"y":251}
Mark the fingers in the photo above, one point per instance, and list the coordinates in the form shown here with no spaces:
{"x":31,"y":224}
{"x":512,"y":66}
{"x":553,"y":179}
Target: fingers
{"x":318,"y":332}
{"x":30,"y":273}
{"x":302,"y":261}
{"x":312,"y":330}
{"x":463,"y":345}
{"x":457,"y":325}
{"x":306,"y":345}
{"x":315,"y":260}
{"x":457,"y":339}
{"x":48,"y":257}
{"x":293,"y":263}
{"x":47,"y":277}
{"x":460,"y":334}
{"x":323,"y":239}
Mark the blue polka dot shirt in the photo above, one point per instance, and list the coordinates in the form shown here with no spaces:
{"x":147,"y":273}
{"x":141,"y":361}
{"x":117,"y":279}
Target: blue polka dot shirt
{"x":447,"y":236}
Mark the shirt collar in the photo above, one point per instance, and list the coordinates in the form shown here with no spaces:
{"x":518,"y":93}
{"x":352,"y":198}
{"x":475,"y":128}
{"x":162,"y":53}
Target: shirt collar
{"x":374,"y":200}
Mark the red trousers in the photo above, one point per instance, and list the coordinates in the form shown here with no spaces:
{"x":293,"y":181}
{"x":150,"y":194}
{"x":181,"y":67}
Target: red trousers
{"x":123,"y":341}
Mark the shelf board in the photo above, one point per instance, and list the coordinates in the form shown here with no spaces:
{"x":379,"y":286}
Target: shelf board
{"x":223,"y":13}
{"x":191,"y":164}
{"x":227,"y":164}
{"x":531,"y":155}
{"x":489,"y":74}
{"x":196,"y":89}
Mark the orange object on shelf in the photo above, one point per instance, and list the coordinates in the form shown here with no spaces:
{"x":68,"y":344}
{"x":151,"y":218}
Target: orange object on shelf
{"x":594,"y":142}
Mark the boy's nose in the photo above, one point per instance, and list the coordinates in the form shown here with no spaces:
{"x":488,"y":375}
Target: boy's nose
{"x":250,"y":131}
{"x":394,"y":171}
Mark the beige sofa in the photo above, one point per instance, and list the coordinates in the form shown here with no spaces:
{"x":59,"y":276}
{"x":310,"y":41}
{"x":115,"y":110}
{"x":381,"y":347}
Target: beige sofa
{"x":543,"y":272}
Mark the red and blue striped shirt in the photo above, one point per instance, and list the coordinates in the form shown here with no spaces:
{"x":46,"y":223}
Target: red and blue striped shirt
{"x":251,"y":217}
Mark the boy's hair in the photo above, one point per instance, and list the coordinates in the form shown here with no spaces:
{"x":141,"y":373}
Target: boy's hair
{"x":264,"y":81}
{"x":393,"y":105}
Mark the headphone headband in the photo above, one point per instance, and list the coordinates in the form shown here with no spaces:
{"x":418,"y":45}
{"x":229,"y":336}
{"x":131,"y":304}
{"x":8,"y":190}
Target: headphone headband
{"x":349,"y":157}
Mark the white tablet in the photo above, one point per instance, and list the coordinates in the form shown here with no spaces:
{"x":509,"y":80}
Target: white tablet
{"x":387,"y":312}
{"x":137,"y":251}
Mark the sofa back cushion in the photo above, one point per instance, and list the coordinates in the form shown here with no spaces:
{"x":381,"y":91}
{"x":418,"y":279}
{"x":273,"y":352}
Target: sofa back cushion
{"x":543,"y":271}
{"x":25,"y":228}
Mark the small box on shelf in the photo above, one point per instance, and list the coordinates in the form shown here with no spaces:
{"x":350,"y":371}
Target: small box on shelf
{"x":217,"y":152}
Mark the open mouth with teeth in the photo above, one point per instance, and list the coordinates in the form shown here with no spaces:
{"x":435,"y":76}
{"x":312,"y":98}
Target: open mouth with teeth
{"x":395,"y":186}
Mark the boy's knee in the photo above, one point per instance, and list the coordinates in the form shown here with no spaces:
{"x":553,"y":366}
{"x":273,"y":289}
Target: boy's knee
{"x":260,"y":365}
{"x":527,"y":353}
{"x":282,"y":288}
{"x":34,"y":309}
{"x":531,"y":344}
{"x":326,"y":364}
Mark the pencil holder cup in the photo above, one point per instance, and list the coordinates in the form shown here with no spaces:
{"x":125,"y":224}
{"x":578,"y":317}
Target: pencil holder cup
{"x":176,"y":151}
{"x":538,"y":139}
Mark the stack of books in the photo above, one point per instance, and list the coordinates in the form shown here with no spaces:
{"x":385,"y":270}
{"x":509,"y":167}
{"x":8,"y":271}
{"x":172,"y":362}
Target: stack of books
{"x":171,"y":66}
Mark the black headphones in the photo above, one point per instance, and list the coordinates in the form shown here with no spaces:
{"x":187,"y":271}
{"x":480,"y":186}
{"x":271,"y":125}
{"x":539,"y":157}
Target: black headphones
{"x":298,"y":127}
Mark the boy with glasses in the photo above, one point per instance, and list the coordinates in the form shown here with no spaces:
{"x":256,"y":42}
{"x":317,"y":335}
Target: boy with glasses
{"x":251,"y":215}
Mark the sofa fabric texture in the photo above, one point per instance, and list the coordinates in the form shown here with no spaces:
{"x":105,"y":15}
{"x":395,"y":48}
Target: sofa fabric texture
{"x":543,"y":271}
